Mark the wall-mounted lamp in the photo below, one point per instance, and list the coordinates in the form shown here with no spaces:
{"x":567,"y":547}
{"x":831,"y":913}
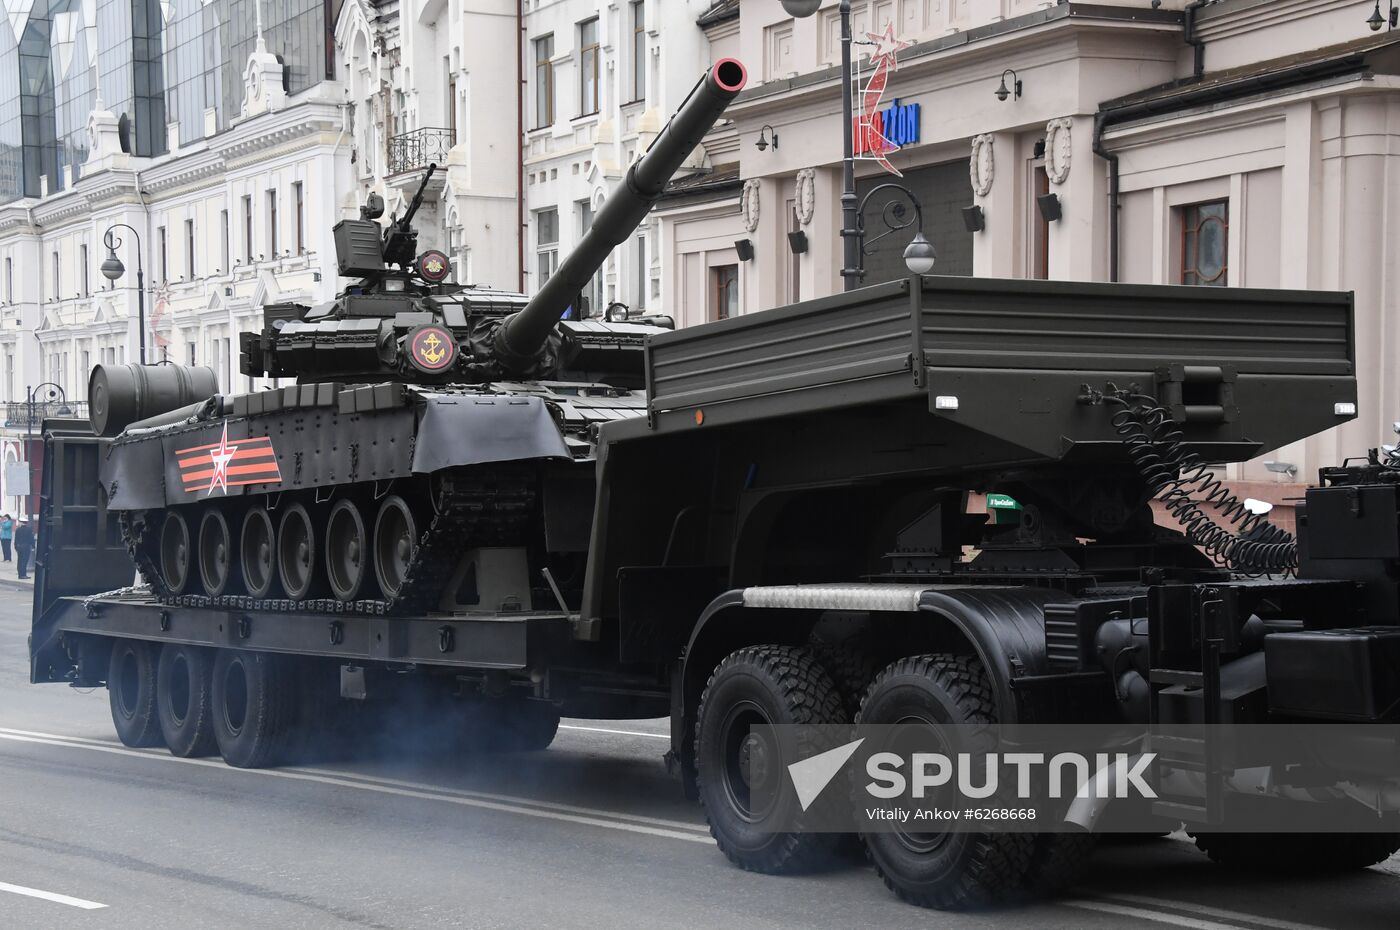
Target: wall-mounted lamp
{"x":1378,"y":19}
{"x":228,"y":292}
{"x":1015,"y":92}
{"x":1049,"y":205}
{"x":797,"y":241}
{"x":316,"y":276}
{"x":744,"y":249}
{"x":763,"y":138}
{"x":1282,"y":468}
{"x":973,"y":218}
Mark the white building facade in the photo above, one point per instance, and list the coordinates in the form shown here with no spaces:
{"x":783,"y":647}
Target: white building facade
{"x":601,"y":79}
{"x":231,"y":204}
{"x":1254,"y":143}
{"x":437,"y":82}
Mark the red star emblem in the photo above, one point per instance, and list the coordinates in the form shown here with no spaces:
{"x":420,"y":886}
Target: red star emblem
{"x":221,"y":455}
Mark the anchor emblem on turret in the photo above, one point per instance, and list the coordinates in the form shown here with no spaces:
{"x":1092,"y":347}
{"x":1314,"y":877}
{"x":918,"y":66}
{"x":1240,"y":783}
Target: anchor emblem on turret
{"x":431,"y":348}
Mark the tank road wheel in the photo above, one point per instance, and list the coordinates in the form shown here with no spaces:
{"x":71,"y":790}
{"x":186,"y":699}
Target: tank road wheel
{"x":347,"y":550}
{"x":216,"y":564}
{"x":184,"y":701}
{"x":296,"y":553}
{"x":175,"y":552}
{"x":131,"y":690}
{"x":755,"y":686}
{"x":255,"y":548}
{"x":950,"y":870}
{"x":395,"y":539}
{"x":254,"y":701}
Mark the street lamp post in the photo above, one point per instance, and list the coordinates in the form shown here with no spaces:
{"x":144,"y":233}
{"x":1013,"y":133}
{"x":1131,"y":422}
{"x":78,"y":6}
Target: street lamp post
{"x":919,"y":255}
{"x":112,"y":269}
{"x":54,"y":392}
{"x":852,"y":222}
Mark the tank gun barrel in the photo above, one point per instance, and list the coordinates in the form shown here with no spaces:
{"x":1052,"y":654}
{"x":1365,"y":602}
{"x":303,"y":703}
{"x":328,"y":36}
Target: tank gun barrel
{"x":525,"y":333}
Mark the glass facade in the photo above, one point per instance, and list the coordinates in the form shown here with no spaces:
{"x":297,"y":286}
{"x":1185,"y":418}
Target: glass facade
{"x":153,"y":61}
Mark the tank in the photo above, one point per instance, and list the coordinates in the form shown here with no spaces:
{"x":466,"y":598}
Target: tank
{"x":431,"y":445}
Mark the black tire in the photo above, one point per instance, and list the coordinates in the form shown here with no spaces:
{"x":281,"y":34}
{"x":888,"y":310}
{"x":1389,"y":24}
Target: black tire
{"x":131,"y":692}
{"x":851,"y":668}
{"x":756,"y":685}
{"x":255,"y":700}
{"x":347,"y":550}
{"x":257,"y":553}
{"x":174,"y":552}
{"x":948,"y":871}
{"x":216,"y":557}
{"x":299,"y":567}
{"x":395,"y":544}
{"x":184,"y":702}
{"x":1058,"y":861}
{"x":1298,"y":853}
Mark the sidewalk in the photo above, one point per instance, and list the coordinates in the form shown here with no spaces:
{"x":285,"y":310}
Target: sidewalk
{"x":10,"y":579}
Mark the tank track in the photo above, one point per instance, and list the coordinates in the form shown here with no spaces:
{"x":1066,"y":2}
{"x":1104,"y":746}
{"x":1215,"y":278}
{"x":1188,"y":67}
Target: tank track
{"x":471,"y":509}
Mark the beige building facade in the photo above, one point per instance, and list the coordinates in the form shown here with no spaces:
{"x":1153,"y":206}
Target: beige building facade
{"x":1236,"y":143}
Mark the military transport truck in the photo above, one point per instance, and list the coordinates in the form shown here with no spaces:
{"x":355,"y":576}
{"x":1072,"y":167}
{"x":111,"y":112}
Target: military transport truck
{"x":761,"y":520}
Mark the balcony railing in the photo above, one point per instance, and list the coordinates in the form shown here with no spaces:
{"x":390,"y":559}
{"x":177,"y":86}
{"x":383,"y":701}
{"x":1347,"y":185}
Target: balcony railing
{"x":17,"y":412}
{"x":416,"y":149}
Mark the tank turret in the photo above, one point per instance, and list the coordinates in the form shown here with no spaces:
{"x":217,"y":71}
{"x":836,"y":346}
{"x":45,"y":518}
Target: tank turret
{"x":404,"y":321}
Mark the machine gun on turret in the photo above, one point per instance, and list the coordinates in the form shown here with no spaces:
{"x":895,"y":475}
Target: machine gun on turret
{"x":401,"y":239}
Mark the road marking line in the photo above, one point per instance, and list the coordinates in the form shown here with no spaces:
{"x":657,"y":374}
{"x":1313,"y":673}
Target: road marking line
{"x":505,"y":798}
{"x":1120,"y":910}
{"x":598,"y":820}
{"x":396,"y":782}
{"x":565,"y":726}
{"x":1205,"y":911}
{"x":50,"y":896}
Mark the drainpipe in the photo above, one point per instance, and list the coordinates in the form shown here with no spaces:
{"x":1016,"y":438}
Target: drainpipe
{"x":1100,"y":122}
{"x":1198,"y":63}
{"x":520,"y":136}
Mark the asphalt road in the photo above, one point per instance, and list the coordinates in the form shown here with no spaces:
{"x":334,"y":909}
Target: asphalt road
{"x":591,"y":833}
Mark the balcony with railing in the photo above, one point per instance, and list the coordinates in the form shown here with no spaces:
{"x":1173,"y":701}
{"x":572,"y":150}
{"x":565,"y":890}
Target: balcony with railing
{"x":416,"y":149}
{"x":24,"y":416}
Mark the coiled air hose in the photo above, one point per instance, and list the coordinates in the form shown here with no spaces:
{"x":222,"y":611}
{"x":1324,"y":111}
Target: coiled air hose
{"x":1247,"y":542}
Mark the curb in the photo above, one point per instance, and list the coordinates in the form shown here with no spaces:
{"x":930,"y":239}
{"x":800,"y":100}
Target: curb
{"x":16,"y":585}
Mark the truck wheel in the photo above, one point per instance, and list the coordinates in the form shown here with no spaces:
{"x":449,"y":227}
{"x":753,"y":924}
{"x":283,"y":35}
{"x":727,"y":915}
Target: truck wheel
{"x":183,"y":700}
{"x":1298,"y":853}
{"x":131,"y":690}
{"x":754,"y":686}
{"x":950,"y":870}
{"x":851,"y":668}
{"x":254,"y":705}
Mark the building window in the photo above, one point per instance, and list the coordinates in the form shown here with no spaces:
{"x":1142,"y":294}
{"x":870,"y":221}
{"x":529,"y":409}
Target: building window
{"x":272,"y":223}
{"x":297,"y":194}
{"x":546,"y":243}
{"x":593,"y":292}
{"x":794,"y":259}
{"x":55,"y":275}
{"x":544,"y":82}
{"x":190,"y":347}
{"x":639,"y":50}
{"x":1205,"y":230}
{"x":9,"y":280}
{"x":588,"y":67}
{"x":223,"y":243}
{"x":87,"y":287}
{"x":724,"y":292}
{"x":639,"y":294}
{"x":248,"y":229}
{"x":162,"y":254}
{"x":451,"y":100}
{"x":189,"y":249}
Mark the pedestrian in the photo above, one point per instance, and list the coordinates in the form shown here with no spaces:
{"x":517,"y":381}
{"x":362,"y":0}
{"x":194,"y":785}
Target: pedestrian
{"x":7,"y":534}
{"x":24,"y":544}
